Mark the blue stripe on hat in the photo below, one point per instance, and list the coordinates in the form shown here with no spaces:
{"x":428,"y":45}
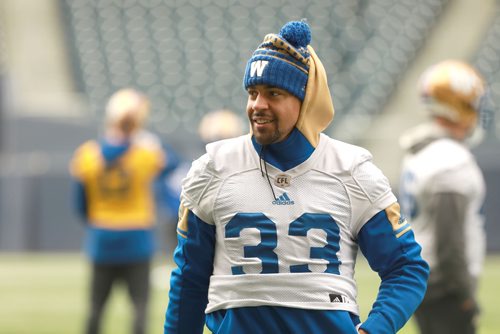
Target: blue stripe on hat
{"x":277,"y":73}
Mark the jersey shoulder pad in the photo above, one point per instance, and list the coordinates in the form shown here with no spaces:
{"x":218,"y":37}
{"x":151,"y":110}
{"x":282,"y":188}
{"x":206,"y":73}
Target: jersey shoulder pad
{"x":233,"y":155}
{"x":358,"y":161}
{"x":369,"y":189}
{"x":199,"y":188}
{"x":451,"y":165}
{"x":223,"y":159}
{"x":344,"y":157}
{"x":448,"y":153}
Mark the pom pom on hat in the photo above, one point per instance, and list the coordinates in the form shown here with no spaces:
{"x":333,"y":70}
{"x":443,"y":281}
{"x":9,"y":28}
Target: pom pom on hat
{"x":282,"y":60}
{"x":297,"y":33}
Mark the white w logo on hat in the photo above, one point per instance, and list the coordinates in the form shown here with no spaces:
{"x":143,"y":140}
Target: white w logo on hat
{"x":257,"y":67}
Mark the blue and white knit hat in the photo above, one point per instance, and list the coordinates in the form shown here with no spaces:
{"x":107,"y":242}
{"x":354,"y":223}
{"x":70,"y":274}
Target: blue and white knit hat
{"x":282,"y":60}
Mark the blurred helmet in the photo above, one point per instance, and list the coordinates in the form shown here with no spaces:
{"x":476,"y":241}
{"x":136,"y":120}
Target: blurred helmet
{"x":453,"y":90}
{"x":220,"y":124}
{"x":127,"y":110}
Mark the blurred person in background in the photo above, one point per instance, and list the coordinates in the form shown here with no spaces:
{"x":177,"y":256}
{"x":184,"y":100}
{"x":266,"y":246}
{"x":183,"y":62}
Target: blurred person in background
{"x":442,"y":192}
{"x":114,"y":193}
{"x":214,"y":125}
{"x":270,"y":222}
{"x":220,"y":124}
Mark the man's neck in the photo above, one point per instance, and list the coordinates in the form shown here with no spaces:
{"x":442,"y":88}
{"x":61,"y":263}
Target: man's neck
{"x":287,"y":154}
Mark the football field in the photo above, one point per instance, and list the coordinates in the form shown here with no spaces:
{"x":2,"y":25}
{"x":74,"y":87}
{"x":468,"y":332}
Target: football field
{"x":46,"y":294}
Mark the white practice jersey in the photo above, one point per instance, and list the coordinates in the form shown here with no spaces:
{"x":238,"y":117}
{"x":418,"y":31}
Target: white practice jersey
{"x":445,"y":166}
{"x":296,"y":250}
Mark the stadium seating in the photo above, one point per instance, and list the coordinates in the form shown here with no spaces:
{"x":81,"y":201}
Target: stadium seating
{"x":487,"y":61}
{"x":189,"y":56}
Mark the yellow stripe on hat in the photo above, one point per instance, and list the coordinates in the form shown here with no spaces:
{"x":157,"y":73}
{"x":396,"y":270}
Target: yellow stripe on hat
{"x":285,"y":60}
{"x":284,"y":47}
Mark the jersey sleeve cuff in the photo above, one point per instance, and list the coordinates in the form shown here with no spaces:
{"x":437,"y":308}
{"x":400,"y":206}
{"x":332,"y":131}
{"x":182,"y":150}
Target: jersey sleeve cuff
{"x":376,"y":324}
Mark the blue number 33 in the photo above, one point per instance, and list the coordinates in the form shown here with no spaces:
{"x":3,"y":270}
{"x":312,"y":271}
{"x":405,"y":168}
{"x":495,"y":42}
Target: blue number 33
{"x":269,"y":240}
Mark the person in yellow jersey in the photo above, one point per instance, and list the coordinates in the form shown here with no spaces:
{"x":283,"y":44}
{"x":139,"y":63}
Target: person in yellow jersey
{"x":114,"y":194}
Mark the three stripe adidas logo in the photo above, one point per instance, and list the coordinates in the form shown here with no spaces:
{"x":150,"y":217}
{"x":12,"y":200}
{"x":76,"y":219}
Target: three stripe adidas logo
{"x":283,"y":200}
{"x":334,"y":298}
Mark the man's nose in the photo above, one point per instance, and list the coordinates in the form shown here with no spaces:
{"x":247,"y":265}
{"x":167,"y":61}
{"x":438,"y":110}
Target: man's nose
{"x":260,"y":103}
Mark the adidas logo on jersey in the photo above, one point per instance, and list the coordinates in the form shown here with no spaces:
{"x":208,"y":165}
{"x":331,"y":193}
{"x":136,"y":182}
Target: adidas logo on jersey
{"x":338,"y":298}
{"x":283,"y":200}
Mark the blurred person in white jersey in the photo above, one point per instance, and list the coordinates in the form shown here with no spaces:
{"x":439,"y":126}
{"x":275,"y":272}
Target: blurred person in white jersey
{"x":220,"y":124}
{"x":442,"y":193}
{"x":270,"y":222}
{"x":215,"y":125}
{"x":114,"y":195}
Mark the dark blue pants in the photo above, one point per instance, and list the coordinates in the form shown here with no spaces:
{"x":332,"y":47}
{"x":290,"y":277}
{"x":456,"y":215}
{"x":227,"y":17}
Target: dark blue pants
{"x":136,"y":278}
{"x":445,"y":315}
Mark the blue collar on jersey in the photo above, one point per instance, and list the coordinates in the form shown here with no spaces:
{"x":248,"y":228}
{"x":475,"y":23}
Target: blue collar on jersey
{"x":288,"y":153}
{"x":111,"y":151}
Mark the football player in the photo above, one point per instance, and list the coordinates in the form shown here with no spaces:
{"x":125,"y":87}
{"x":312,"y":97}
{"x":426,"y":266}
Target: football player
{"x":442,"y":192}
{"x":271,"y":222}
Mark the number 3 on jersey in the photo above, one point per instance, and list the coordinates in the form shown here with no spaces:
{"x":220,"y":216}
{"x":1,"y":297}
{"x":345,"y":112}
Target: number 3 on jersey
{"x":269,"y":240}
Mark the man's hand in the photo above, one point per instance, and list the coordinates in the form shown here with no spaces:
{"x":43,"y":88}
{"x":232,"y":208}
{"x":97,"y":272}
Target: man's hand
{"x":360,"y":331}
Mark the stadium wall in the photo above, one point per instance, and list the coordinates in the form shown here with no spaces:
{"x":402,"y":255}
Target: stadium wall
{"x":43,"y":118}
